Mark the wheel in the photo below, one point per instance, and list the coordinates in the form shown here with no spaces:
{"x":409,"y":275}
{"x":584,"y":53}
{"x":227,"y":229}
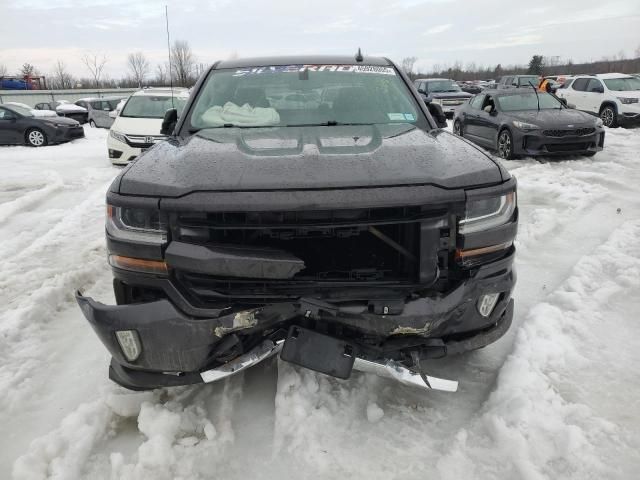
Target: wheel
{"x":457,"y":128}
{"x":92,"y":124}
{"x":36,"y":137}
{"x":609,"y":116}
{"x":505,"y":145}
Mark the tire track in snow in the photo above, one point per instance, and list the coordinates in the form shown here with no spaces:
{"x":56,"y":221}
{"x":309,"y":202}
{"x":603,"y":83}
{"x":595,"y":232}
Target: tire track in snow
{"x":52,"y":183}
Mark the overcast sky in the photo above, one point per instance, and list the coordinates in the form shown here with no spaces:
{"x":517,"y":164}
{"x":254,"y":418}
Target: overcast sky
{"x":440,"y":32}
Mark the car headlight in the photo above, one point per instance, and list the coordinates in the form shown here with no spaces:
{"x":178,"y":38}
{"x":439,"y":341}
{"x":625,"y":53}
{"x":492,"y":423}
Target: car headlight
{"x":524,"y":125}
{"x":627,"y":101}
{"x":487,"y":213}
{"x":61,"y":125}
{"x":118,"y":136}
{"x":136,"y":225}
{"x":599,"y":123}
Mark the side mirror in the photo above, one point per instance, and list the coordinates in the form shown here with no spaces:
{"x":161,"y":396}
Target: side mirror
{"x":113,"y":114}
{"x":422,"y":91}
{"x":436,"y":112}
{"x":169,"y":122}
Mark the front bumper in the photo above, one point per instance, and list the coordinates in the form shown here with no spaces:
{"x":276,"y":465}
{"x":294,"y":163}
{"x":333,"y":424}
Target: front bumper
{"x":537,"y":143}
{"x":121,"y":153}
{"x":176,"y":347}
{"x":65,"y":134}
{"x":629,"y":118}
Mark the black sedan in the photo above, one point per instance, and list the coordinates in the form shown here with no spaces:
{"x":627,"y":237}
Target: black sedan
{"x":18,"y":126}
{"x":518,"y":122}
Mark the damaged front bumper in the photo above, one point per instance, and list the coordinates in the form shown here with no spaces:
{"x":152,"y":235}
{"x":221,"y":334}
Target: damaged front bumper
{"x":176,"y":348}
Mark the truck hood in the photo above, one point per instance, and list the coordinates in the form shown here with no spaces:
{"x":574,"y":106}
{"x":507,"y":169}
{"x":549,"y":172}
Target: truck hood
{"x":565,"y":118}
{"x":300,"y":158}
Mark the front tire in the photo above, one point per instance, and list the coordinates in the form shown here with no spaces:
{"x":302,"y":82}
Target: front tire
{"x":609,"y":116}
{"x":457,"y":128}
{"x":36,"y":137}
{"x":505,"y":145}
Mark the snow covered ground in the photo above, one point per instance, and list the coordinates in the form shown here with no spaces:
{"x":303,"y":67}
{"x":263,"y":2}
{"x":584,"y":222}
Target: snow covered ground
{"x":555,"y":399}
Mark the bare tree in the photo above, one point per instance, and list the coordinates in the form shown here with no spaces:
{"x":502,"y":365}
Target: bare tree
{"x":408,"y":63}
{"x":162,"y":74}
{"x":3,"y":70}
{"x":139,"y":66}
{"x":27,"y":70}
{"x":182,"y":62}
{"x":61,"y":76}
{"x":95,"y":64}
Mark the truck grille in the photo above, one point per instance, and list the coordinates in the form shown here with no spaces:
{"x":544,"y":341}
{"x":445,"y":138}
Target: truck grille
{"x":347,"y":254}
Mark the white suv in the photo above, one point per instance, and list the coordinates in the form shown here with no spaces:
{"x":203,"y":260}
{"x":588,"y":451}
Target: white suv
{"x":137,"y":126}
{"x":615,"y":97}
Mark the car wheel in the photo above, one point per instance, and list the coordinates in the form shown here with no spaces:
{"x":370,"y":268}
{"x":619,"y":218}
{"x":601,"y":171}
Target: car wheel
{"x":505,"y":145}
{"x":457,"y":128}
{"x":609,"y":117}
{"x":92,"y":124}
{"x":36,"y":137}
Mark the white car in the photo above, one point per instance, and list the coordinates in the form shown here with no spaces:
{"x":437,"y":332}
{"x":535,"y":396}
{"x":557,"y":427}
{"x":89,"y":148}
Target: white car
{"x":615,"y":97}
{"x":136,"y":127}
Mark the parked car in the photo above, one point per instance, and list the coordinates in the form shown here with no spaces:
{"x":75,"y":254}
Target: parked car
{"x":137,"y":127}
{"x":19,"y":126}
{"x":65,"y":109}
{"x":470,"y":87}
{"x":98,"y":110}
{"x":442,"y":91}
{"x":519,"y":122}
{"x":614,"y":97}
{"x":518,"y":81}
{"x":36,"y":113}
{"x":351,"y":236}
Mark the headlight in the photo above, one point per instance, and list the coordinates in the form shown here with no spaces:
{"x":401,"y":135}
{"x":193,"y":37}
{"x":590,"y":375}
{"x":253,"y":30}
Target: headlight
{"x":136,"y":225}
{"x":627,"y":101}
{"x":524,"y":125}
{"x":487,"y":213}
{"x":599,"y":123}
{"x":118,"y":136}
{"x":61,"y":125}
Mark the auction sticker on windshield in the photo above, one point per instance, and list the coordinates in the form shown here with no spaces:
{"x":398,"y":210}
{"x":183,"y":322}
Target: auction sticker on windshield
{"x":315,"y":68}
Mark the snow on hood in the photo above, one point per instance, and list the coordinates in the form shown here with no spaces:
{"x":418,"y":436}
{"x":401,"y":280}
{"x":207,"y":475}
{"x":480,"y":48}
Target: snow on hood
{"x":137,"y":126}
{"x":70,"y":108}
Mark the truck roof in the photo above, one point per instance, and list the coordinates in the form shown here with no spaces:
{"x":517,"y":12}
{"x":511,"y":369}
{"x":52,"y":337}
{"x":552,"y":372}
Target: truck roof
{"x":302,"y":60}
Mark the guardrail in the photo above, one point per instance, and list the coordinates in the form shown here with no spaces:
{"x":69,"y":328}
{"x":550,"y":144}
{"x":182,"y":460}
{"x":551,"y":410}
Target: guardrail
{"x":31,"y":97}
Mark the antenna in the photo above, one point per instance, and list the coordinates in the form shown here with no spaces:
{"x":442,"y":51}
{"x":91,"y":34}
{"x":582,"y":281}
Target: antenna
{"x":166,"y":15}
{"x":359,"y":57}
{"x":535,"y":90}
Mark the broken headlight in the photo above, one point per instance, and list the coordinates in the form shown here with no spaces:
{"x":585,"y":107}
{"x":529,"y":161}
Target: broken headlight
{"x":487,"y":213}
{"x":136,"y":224}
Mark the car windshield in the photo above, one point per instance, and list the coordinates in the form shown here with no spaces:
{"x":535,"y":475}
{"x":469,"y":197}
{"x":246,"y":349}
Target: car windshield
{"x":442,"y":86}
{"x":625,"y":84}
{"x":527,"y":81}
{"x":304,"y":95}
{"x":527,"y":101}
{"x":150,"y":106}
{"x":25,"y":112}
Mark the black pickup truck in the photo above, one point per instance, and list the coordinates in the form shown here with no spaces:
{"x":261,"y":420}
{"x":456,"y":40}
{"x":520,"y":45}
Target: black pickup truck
{"x":342,"y":231}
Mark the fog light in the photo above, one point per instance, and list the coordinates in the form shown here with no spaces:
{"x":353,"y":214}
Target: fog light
{"x":129,"y":344}
{"x":486,"y":303}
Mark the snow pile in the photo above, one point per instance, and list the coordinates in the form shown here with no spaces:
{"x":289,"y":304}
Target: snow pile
{"x":529,"y":427}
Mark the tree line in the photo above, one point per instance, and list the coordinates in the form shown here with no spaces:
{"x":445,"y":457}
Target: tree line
{"x":538,"y":65}
{"x":183,"y":70}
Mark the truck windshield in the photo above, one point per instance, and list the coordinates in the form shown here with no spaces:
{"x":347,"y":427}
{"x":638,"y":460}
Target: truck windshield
{"x":148,"y":106}
{"x":304,"y":95}
{"x":442,"y":86}
{"x":527,"y":101}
